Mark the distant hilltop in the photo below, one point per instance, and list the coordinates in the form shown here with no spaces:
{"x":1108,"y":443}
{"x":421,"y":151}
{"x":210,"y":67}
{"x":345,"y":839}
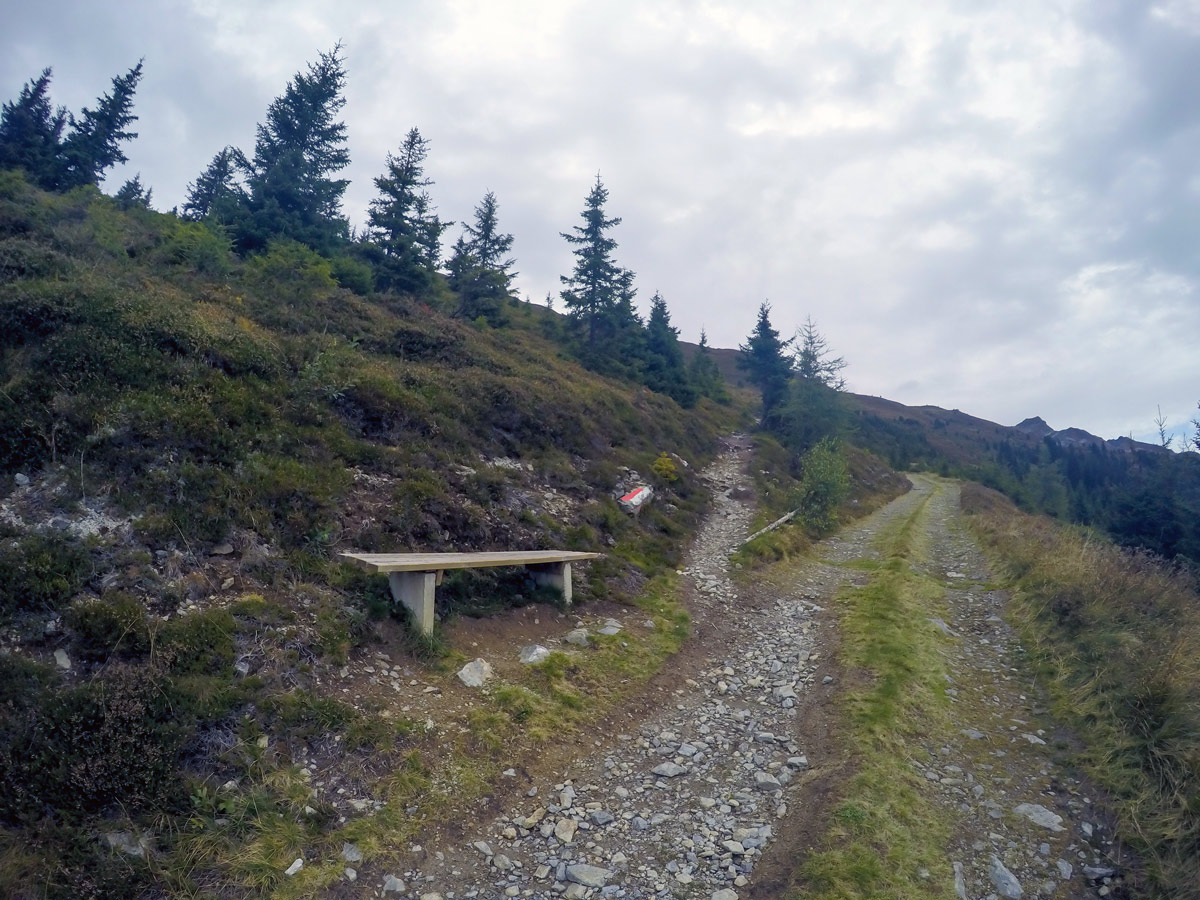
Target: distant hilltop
{"x":1077,"y":437}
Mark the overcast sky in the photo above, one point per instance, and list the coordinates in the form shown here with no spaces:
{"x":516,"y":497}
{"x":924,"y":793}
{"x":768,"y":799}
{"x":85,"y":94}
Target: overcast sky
{"x":988,"y":206}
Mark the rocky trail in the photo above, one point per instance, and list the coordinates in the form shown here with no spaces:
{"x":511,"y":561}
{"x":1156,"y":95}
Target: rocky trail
{"x":714,"y":791}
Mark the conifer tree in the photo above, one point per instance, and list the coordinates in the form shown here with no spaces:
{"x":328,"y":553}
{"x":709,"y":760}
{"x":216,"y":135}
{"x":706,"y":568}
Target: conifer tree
{"x":813,"y":358}
{"x":479,"y":267}
{"x":133,"y":194}
{"x":591,"y":290}
{"x":297,"y":151}
{"x":704,"y":374}
{"x":664,"y":368}
{"x":403,"y":228}
{"x":93,"y":143}
{"x":31,"y":134}
{"x":765,"y":361}
{"x":217,"y":192}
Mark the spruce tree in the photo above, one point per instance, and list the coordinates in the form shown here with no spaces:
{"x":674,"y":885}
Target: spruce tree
{"x":217,"y":192}
{"x":591,"y":291}
{"x":31,"y":134}
{"x":479,"y":267}
{"x":297,"y":151}
{"x":664,"y":368}
{"x":404,"y":230}
{"x":765,"y":361}
{"x":93,"y":143}
{"x":704,"y":374}
{"x":133,"y":194}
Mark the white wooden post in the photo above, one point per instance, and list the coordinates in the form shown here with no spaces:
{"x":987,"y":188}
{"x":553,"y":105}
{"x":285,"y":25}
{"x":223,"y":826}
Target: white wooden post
{"x":415,"y":591}
{"x":555,"y":575}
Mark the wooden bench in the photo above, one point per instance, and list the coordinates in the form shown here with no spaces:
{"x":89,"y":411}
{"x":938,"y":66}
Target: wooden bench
{"x":414,"y":576}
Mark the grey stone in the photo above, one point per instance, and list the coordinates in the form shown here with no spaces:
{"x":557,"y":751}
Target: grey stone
{"x":126,"y":842}
{"x":223,"y":549}
{"x":943,"y":628}
{"x":534,"y":654}
{"x":578,"y":637}
{"x":475,"y":673}
{"x":588,"y":876}
{"x":483,"y":847}
{"x":960,"y":882}
{"x":502,"y":862}
{"x":393,"y":885}
{"x":1005,"y":881}
{"x":974,"y":734}
{"x":601,"y":817}
{"x":765,"y":781}
{"x":1098,"y":872}
{"x":565,"y":830}
{"x":1064,"y":869}
{"x":351,"y":853}
{"x":669,"y":770}
{"x":295,"y":867}
{"x":61,"y":659}
{"x":724,"y":894}
{"x":1039,"y":815}
{"x":22,"y":480}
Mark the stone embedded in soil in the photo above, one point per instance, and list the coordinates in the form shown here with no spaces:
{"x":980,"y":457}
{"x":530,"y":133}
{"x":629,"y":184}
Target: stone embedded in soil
{"x":393,"y":885}
{"x":724,"y":894}
{"x":61,"y":659}
{"x":1039,"y":815}
{"x":669,"y":770}
{"x":588,"y":876}
{"x":295,"y":867}
{"x":1005,"y":881}
{"x":534,"y":654}
{"x":351,"y":853}
{"x":578,"y":637}
{"x":475,"y":673}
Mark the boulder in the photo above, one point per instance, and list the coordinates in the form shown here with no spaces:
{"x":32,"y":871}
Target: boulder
{"x":475,"y":673}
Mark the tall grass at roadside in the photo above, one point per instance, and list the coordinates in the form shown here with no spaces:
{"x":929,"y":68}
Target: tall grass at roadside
{"x":1117,"y":633}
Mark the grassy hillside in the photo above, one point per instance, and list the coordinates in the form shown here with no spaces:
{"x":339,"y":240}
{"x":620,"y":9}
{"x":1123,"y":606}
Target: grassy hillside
{"x":187,"y":440}
{"x":1116,"y":636}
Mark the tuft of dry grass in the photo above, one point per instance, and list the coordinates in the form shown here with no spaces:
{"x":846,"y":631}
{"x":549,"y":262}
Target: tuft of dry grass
{"x":1117,"y":633}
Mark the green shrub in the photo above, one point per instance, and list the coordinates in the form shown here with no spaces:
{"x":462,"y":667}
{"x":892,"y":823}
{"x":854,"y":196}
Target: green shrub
{"x":113,"y":625}
{"x":81,"y":750}
{"x":198,"y":246}
{"x":41,"y":572}
{"x":354,"y":275}
{"x":824,"y":484}
{"x":199,"y":643}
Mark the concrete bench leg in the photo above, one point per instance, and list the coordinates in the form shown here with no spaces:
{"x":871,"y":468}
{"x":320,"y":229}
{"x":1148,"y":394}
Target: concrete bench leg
{"x":415,"y":591}
{"x":555,"y":575}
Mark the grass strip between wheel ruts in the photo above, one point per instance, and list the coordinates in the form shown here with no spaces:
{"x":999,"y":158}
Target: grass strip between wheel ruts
{"x":887,"y":836}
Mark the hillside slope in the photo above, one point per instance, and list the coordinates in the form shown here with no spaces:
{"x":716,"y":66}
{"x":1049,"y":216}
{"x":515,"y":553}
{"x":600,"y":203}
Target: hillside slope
{"x":187,"y":440}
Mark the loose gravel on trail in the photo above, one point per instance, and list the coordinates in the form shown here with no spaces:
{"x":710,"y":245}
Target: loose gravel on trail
{"x":686,"y":805}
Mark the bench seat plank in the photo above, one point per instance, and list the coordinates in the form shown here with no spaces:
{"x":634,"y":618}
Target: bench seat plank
{"x":432,"y":562}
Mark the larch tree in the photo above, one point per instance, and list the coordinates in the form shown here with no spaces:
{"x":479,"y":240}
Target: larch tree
{"x":297,"y":152}
{"x":403,"y":228}
{"x":31,"y":131}
{"x":764,"y":359}
{"x":814,"y":360}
